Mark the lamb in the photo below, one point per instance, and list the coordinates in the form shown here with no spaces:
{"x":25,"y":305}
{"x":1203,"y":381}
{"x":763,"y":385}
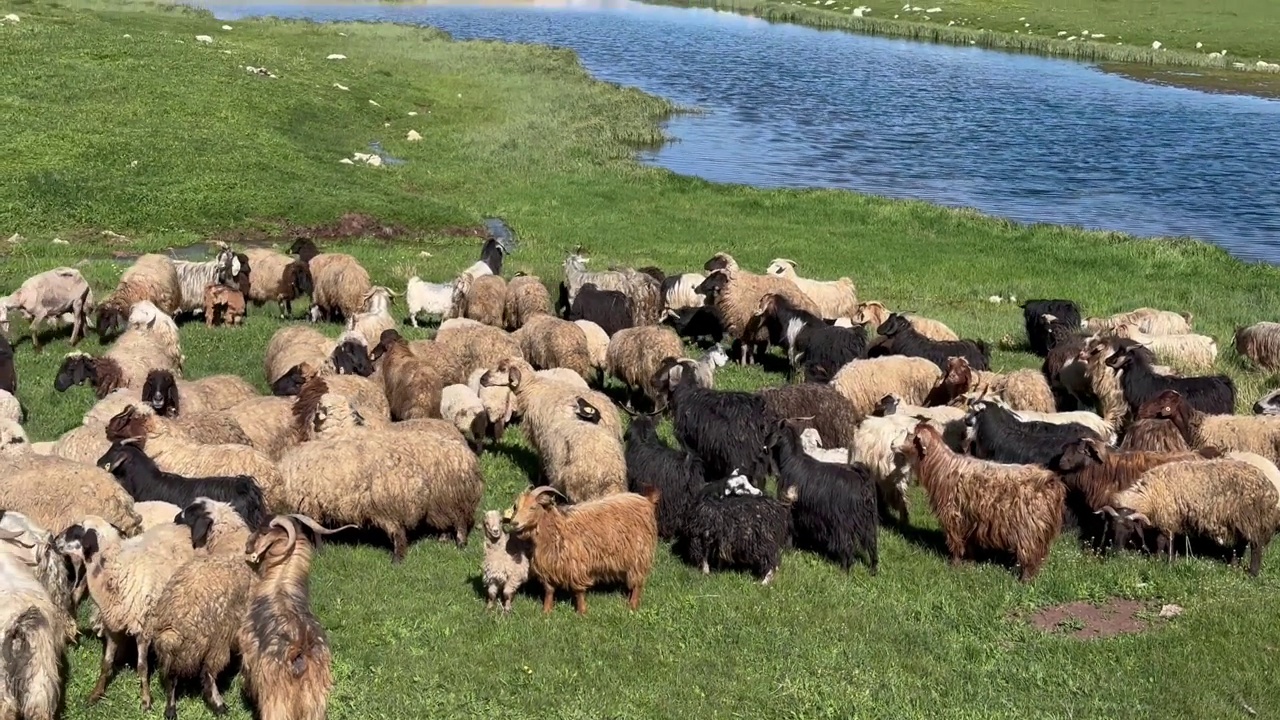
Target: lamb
{"x":1214,"y":394}
{"x":375,"y":316}
{"x":395,"y":480}
{"x":195,"y":277}
{"x":1148,"y":320}
{"x":171,"y":397}
{"x":834,"y":298}
{"x":1191,"y":351}
{"x":609,"y":539}
{"x":427,"y":298}
{"x":679,"y":291}
{"x":731,"y":528}
{"x":413,"y":384}
{"x":597,"y":347}
{"x":506,"y":562}
{"x":57,"y":493}
{"x":57,"y":295}
{"x":737,"y":296}
{"x":151,"y":277}
{"x":462,"y":407}
{"x":549,"y":342}
{"x":812,"y":444}
{"x":340,"y":282}
{"x":482,"y":298}
{"x":1226,"y":499}
{"x":149,"y":320}
{"x":125,"y":365}
{"x":865,"y":382}
{"x":643,"y":291}
{"x":875,"y":314}
{"x":278,"y":278}
{"x":612,"y":310}
{"x":286,"y":654}
{"x":35,"y":631}
{"x":997,"y":434}
{"x":635,"y":355}
{"x":1260,"y":343}
{"x":905,"y":340}
{"x":676,"y":474}
{"x":223,"y":304}
{"x":830,"y":413}
{"x":1258,"y":434}
{"x":729,"y":431}
{"x":526,"y":298}
{"x":833,"y":507}
{"x":983,"y":504}
{"x":144,"y":480}
{"x":1039,"y":335}
{"x":1021,"y":389}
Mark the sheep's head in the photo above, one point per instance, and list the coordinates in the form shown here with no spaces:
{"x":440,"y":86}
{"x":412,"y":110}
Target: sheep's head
{"x":1125,"y":523}
{"x":160,"y":391}
{"x":290,"y":383}
{"x":782,"y":267}
{"x":351,"y":356}
{"x":132,"y":422}
{"x":1080,"y":454}
{"x":379,"y":298}
{"x":888,"y":405}
{"x":144,"y":314}
{"x":715,"y":283}
{"x":492,"y":525}
{"x":1120,"y":360}
{"x":387,"y":340}
{"x":739,"y":484}
{"x":718,"y":357}
{"x":82,"y":542}
{"x":199,"y":517}
{"x":13,"y":439}
{"x":297,"y":276}
{"x":1268,"y":404}
{"x":872,"y":313}
{"x":112,"y":320}
{"x":77,"y":369}
{"x":1126,"y":330}
{"x":720,"y":261}
{"x":896,"y":323}
{"x":304,"y":248}
{"x":530,"y":507}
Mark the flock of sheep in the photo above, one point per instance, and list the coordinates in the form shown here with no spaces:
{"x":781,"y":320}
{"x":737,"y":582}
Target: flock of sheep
{"x":182,"y":507}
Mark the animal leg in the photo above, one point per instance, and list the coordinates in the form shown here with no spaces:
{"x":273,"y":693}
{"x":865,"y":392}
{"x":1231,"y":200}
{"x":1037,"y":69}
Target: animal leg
{"x":286,"y":308}
{"x":110,"y":647}
{"x":413,"y":319}
{"x":212,"y":697}
{"x":144,"y":672}
{"x":580,"y":602}
{"x":634,"y":601}
{"x":461,"y":533}
{"x":768,"y":577}
{"x":170,"y":683}
{"x":507,"y":593}
{"x":548,"y":598}
{"x":959,"y":550}
{"x":493,"y":597}
{"x":1255,"y":558}
{"x":399,"y":543}
{"x":77,"y":322}
{"x":35,"y":336}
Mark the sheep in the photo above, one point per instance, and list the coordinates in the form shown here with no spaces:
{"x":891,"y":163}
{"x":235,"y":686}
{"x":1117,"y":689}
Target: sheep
{"x":1154,"y":436}
{"x":462,"y":407}
{"x":339,"y":281}
{"x":375,"y":315}
{"x":482,"y":298}
{"x":35,"y":547}
{"x":984,"y":504}
{"x":612,"y":310}
{"x":678,"y":291}
{"x":700,"y":324}
{"x":1021,"y":389}
{"x":1191,"y":351}
{"x":267,"y":422}
{"x":173,"y":453}
{"x":1226,"y":499}
{"x":549,"y":342}
{"x":864,"y":382}
{"x":387,"y":478}
{"x":834,"y":298}
{"x":997,"y":434}
{"x":35,"y":632}
{"x":729,"y":528}
{"x":499,"y":244}
{"x":875,"y":314}
{"x":905,"y":340}
{"x":1148,"y":320}
{"x":526,"y":298}
{"x":833,"y":507}
{"x":729,"y":431}
{"x":125,"y":365}
{"x":171,"y":397}
{"x":1260,"y":343}
{"x":152,"y":322}
{"x":597,"y":347}
{"x":58,"y":493}
{"x":643,"y":291}
{"x":223,"y":304}
{"x":413,"y":384}
{"x":144,"y":480}
{"x":467,"y":345}
{"x":125,"y":579}
{"x":427,"y":298}
{"x":678,"y":475}
{"x":1210,"y":394}
{"x":293,"y":345}
{"x":151,"y":277}
{"x":609,"y":539}
{"x":216,"y":527}
{"x":737,"y":296}
{"x":10,"y":408}
{"x":721,"y":261}
{"x":812,"y":444}
{"x":286,"y":656}
{"x":1038,"y":331}
{"x":635,"y":355}
{"x":367,"y":393}
{"x":278,"y":278}
{"x":155,"y":512}
{"x":195,"y":277}
{"x":57,"y":295}
{"x":1258,"y":434}
{"x":500,"y":404}
{"x":824,"y":347}
{"x":1268,"y":404}
{"x":829,"y":412}
{"x":506,"y":562}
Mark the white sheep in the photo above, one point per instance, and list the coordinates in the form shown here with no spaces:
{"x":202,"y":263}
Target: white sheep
{"x":835,"y":298}
{"x":60,"y":294}
{"x":426,"y":298}
{"x":506,"y":562}
{"x":678,"y":291}
{"x":1185,"y":350}
{"x":463,"y":408}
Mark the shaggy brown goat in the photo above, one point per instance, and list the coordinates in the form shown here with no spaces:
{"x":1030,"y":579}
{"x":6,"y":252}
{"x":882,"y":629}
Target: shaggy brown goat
{"x":1154,"y":435}
{"x":223,"y":303}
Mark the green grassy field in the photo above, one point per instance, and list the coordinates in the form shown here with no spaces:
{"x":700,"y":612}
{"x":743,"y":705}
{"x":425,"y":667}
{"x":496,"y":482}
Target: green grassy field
{"x":120,"y":120}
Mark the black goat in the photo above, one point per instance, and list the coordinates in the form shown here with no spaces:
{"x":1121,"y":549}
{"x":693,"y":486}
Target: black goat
{"x":824,"y":348}
{"x":352,"y":358}
{"x":160,"y":391}
{"x":728,"y":430}
{"x":833,"y":507}
{"x":676,"y":474}
{"x":729,"y":528}
{"x":610,"y":309}
{"x":1038,"y":335}
{"x":702,"y":324}
{"x":8,"y":373}
{"x":500,"y":243}
{"x":902,"y":339}
{"x":1212,"y":394}
{"x":996,"y":434}
{"x":143,"y":480}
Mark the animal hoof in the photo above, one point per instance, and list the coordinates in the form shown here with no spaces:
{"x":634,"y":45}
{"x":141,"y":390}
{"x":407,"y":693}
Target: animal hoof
{"x":171,"y":713}
{"x":219,"y":709}
{"x":94,"y":697}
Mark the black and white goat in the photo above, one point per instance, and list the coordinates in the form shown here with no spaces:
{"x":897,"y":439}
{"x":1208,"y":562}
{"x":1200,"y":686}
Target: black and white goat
{"x":823,"y":347}
{"x":144,"y":480}
{"x":1038,"y":332}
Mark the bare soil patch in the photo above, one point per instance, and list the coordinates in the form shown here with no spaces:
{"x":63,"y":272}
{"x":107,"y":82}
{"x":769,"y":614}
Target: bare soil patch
{"x":350,"y":226}
{"x":1087,"y":621}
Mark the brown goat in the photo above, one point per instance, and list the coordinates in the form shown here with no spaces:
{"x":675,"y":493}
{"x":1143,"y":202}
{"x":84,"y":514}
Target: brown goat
{"x":1021,"y":389}
{"x":1258,"y":434}
{"x":610,"y":539}
{"x":982,"y":504}
{"x":223,"y":303}
{"x":286,"y":655}
{"x":1154,"y":435}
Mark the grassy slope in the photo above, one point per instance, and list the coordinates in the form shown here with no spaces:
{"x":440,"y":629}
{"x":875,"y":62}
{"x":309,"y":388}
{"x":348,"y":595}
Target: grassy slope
{"x":522,"y":132}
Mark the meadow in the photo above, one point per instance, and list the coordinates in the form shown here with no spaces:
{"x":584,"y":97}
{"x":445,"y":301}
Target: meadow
{"x":124,"y":134}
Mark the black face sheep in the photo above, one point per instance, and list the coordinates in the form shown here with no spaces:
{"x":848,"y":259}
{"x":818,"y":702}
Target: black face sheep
{"x":982,"y":504}
{"x":997,"y":434}
{"x":727,"y":430}
{"x":143,"y":480}
{"x":506,"y":562}
{"x":170,"y":397}
{"x":1213,"y":394}
{"x":833,"y":507}
{"x":1038,"y":332}
{"x":677,"y":474}
{"x":610,"y":539}
{"x":732,"y":524}
{"x":902,"y":339}
{"x":610,"y":309}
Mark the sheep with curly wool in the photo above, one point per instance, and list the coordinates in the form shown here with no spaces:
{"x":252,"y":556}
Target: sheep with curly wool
{"x":526,"y":298}
{"x":506,"y":562}
{"x":1187,"y":351}
{"x":1260,"y":343}
{"x":464,"y":410}
{"x":1258,"y":434}
{"x":36,"y":632}
{"x":413,"y":384}
{"x":151,"y":277}
{"x":267,"y":422}
{"x":57,"y":493}
{"x":339,"y":281}
{"x":548,"y":342}
{"x":635,"y":354}
{"x":468,"y":345}
{"x":826,"y":410}
{"x":1021,"y":389}
{"x":170,"y":397}
{"x":375,"y":315}
{"x":481,"y":298}
{"x":834,"y":298}
{"x":155,"y":512}
{"x":643,"y":292}
{"x":865,"y":382}
{"x":293,"y":345}
{"x":609,"y":539}
{"x":730,"y":526}
{"x":151,"y":321}
{"x":277,"y":278}
{"x":367,"y":393}
{"x":60,"y":295}
{"x":1148,"y":320}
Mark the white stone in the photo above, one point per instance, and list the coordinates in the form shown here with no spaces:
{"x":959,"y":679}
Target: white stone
{"x":226,"y":27}
{"x":995,"y":299}
{"x":413,"y":113}
{"x":934,"y":10}
{"x":204,"y":39}
{"x":1097,"y":36}
{"x":59,"y":241}
{"x":413,"y":136}
{"x":12,"y":18}
{"x":1062,"y":33}
{"x":15,"y":238}
{"x":346,"y":161}
{"x":375,"y":161}
{"x":1199,"y":45}
{"x":1170,"y":611}
{"x":374,"y":103}
{"x":1155,"y":45}
{"x":340,"y":86}
{"x":336,"y":56}
{"x":1073,"y":37}
{"x":128,"y":35}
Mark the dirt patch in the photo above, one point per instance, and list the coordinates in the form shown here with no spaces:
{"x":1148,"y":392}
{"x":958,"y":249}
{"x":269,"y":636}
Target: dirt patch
{"x":1086,"y":621}
{"x":347,"y":227}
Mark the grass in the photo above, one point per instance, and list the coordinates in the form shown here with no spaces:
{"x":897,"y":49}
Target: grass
{"x":523,"y":133}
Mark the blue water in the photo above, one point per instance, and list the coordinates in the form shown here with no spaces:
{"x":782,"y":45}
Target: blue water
{"x":1028,"y":138}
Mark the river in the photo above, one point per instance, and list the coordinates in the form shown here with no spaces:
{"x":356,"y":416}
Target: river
{"x":1028,"y":138}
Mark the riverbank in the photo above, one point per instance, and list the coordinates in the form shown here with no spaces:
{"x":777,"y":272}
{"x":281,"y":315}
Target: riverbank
{"x":1239,"y":51}
{"x":121,"y":120}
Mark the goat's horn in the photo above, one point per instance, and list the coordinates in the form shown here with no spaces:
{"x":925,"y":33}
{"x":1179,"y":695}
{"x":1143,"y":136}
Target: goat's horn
{"x":539,"y":491}
{"x":292,"y":532}
{"x":317,"y":527}
{"x":11,"y":535}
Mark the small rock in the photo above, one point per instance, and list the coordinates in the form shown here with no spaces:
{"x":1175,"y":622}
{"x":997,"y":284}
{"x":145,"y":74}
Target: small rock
{"x":58,"y":241}
{"x":340,"y":86}
{"x":133,"y":163}
{"x":1097,"y":36}
{"x":934,"y":10}
{"x":1013,"y":299}
{"x":857,"y":12}
{"x":15,"y":238}
{"x":895,"y":17}
{"x":1170,"y":611}
{"x":1215,"y":54}
{"x":907,"y":6}
{"x":1073,"y":37}
{"x":346,"y":161}
{"x":995,"y":299}
{"x":336,"y":56}
{"x":386,"y":124}
{"x":12,"y":18}
{"x":342,"y":34}
{"x":1026,"y":25}
{"x":459,"y":94}
{"x":204,"y":39}
{"x":375,"y":161}
{"x":950,"y":23}
{"x":1021,"y":19}
{"x":127,"y":35}
{"x":1199,"y":45}
{"x":413,"y":136}
{"x":226,"y":52}
{"x":424,"y":253}
{"x":1155,"y":45}
{"x":413,"y":113}
{"x":361,"y":157}
{"x":226,"y":27}
{"x":1062,"y":33}
{"x":114,"y":236}
{"x":374,"y":103}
